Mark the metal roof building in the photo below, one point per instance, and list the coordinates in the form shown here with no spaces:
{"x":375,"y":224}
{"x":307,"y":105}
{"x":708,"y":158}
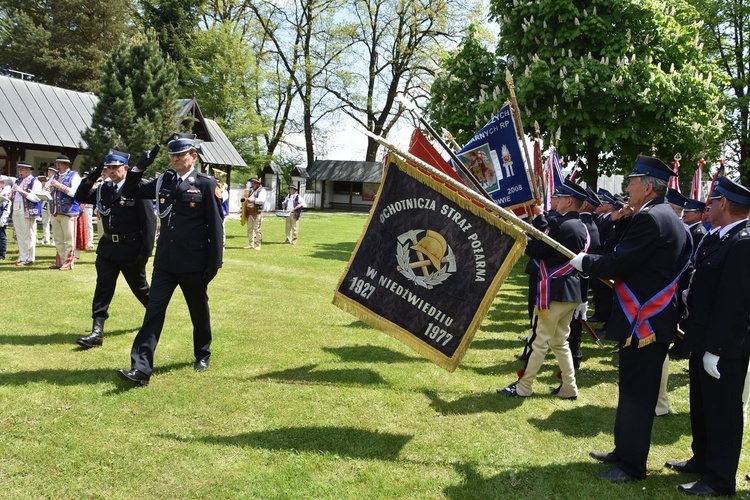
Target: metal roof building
{"x":351,"y":171}
{"x":38,"y":117}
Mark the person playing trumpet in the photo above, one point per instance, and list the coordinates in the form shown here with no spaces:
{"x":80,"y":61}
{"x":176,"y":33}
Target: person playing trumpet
{"x":252,"y":209}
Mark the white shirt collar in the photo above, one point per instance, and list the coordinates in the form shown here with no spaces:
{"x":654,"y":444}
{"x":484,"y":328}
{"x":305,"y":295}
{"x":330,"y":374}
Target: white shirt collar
{"x":187,"y":174}
{"x":724,"y":230}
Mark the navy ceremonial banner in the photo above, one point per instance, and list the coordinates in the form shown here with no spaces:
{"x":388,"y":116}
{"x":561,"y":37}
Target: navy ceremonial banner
{"x":428,"y":265}
{"x":494,"y":157}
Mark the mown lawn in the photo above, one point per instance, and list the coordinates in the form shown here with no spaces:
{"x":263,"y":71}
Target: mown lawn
{"x":301,"y":400}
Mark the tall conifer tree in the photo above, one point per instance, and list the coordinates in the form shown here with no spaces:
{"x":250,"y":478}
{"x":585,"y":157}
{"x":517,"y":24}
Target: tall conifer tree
{"x":137,"y":101}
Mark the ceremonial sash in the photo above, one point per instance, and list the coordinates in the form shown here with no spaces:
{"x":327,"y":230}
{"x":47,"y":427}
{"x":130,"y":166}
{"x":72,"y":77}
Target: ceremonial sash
{"x":637,"y":314}
{"x":545,"y":277}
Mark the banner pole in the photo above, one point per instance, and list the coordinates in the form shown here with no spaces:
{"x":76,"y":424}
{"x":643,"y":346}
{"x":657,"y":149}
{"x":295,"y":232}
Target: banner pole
{"x":459,"y":164}
{"x":505,"y":214}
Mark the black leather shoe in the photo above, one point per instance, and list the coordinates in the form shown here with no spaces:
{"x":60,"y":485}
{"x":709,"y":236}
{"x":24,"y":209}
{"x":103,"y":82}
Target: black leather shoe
{"x":685,"y":466}
{"x":698,"y":488}
{"x":89,"y":341}
{"x":616,"y":476}
{"x":555,"y":391}
{"x":603,"y":456}
{"x":201,"y":365}
{"x":511,"y":390}
{"x":134,"y":376}
{"x":522,"y":357}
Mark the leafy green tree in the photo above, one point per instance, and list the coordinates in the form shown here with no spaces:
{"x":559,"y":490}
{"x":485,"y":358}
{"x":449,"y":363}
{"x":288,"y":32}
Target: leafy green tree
{"x":726,"y":33}
{"x":468,"y":87}
{"x":137,"y":101}
{"x":175,"y":23}
{"x":396,"y":43}
{"x":62,"y":42}
{"x":223,"y":78}
{"x":617,"y":78}
{"x":301,"y":43}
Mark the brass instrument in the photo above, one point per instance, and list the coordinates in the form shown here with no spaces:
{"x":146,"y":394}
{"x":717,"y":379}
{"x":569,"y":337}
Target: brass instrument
{"x":244,"y":209}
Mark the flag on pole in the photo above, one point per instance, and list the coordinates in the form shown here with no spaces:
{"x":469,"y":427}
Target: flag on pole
{"x":494,"y":157}
{"x":423,"y":149}
{"x":554,"y":175}
{"x":719,"y":173}
{"x":673,"y":179}
{"x":696,"y":190}
{"x":574,"y":173}
{"x":428,"y":264}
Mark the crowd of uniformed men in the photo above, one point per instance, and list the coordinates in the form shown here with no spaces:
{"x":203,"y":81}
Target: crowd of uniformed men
{"x":676,"y":288}
{"x":671,"y":278}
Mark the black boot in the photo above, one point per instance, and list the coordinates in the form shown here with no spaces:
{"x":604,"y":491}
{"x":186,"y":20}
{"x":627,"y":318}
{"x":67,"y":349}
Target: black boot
{"x":96,"y":337}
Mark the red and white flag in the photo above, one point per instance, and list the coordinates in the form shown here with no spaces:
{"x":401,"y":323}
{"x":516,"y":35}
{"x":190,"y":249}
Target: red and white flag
{"x":696,"y":191}
{"x":674,"y":180}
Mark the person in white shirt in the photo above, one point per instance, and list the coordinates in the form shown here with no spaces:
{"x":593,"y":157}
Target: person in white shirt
{"x":294,"y":203}
{"x":6,"y":194}
{"x":254,"y":201}
{"x":65,"y":211}
{"x":26,"y":208}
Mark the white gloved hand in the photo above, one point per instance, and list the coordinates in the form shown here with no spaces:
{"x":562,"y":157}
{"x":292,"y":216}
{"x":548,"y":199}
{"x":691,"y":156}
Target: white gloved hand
{"x":580,"y":311}
{"x":711,"y":364}
{"x":577,"y":261}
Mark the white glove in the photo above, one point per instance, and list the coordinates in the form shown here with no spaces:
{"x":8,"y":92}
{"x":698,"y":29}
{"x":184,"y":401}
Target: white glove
{"x":580,"y":311}
{"x":577,"y":261}
{"x":711,"y":364}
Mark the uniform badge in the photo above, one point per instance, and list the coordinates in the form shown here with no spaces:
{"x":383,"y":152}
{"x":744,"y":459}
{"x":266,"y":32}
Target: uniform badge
{"x":162,"y":200}
{"x":191,"y":180}
{"x":217,"y":192}
{"x":192,"y":204}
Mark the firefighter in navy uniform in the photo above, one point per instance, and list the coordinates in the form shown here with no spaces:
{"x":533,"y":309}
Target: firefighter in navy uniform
{"x":126,"y":243}
{"x":717,"y":326}
{"x":646,"y":264}
{"x":692,"y":215}
{"x":188,"y":252}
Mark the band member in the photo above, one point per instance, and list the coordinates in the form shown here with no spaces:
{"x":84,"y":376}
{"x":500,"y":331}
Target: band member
{"x":188,"y":252}
{"x":253,"y":202}
{"x":646,"y":264}
{"x":65,"y":211}
{"x":558,"y":293}
{"x":26,"y":208}
{"x":294,"y":203}
{"x":47,"y":208}
{"x":717,"y":327}
{"x":126,"y":240}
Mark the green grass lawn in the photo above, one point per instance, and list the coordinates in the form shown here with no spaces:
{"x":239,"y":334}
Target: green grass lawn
{"x":302,"y":400}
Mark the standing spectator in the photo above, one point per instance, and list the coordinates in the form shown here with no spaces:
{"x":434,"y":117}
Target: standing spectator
{"x":26,"y":208}
{"x":125,"y":243}
{"x":188,"y":252}
{"x":254,"y":200}
{"x":65,"y":212}
{"x":646,"y":264}
{"x":294,"y":203}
